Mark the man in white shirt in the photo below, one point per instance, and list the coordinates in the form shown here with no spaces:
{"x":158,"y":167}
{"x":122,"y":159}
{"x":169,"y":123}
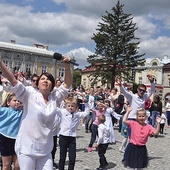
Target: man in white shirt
{"x":137,"y":100}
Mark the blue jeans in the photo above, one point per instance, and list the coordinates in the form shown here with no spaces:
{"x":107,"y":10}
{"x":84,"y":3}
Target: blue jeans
{"x":168,"y":117}
{"x":155,"y":114}
{"x":94,"y":133}
{"x":88,"y":118}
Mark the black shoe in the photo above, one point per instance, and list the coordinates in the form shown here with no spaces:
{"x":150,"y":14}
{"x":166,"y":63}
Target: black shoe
{"x":55,"y":165}
{"x":124,"y":163}
{"x":102,"y":168}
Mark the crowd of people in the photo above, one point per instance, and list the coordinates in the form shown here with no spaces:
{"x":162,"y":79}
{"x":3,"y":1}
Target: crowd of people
{"x":38,"y":115}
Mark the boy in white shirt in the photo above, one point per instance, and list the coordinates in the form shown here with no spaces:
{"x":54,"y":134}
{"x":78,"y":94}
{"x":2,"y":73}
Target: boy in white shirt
{"x":102,"y":142}
{"x":70,"y":119}
{"x":162,"y":123}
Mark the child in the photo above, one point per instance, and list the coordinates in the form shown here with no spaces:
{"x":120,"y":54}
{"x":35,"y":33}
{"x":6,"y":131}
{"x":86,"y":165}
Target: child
{"x":124,"y":133}
{"x":136,"y":151}
{"x":101,"y":110}
{"x":102,"y":142}
{"x":108,"y":113}
{"x":10,"y":117}
{"x":70,"y":119}
{"x":162,"y":124}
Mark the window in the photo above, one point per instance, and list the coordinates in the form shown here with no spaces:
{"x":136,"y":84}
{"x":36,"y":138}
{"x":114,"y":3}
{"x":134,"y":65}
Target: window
{"x":44,"y":69}
{"x":140,"y":80}
{"x":84,"y":82}
{"x":6,"y":63}
{"x":28,"y":68}
{"x":17,"y":66}
{"x":61,"y":73}
{"x":154,"y":64}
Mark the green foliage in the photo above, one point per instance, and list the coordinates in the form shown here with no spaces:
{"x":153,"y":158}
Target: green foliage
{"x":135,"y":85}
{"x":76,"y":78}
{"x":116,"y":51}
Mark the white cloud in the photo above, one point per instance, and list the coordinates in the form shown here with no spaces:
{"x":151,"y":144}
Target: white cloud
{"x":80,"y":55}
{"x":146,"y":29}
{"x":156,"y":47}
{"x":68,"y":31}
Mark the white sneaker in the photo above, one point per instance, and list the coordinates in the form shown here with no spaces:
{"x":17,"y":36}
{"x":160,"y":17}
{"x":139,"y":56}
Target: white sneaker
{"x":122,"y":151}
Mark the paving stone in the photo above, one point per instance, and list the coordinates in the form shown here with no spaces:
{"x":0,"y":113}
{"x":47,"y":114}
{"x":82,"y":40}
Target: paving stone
{"x":158,"y":150}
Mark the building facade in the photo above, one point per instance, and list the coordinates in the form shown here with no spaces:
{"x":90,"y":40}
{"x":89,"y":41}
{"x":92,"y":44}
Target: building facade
{"x":30,"y":60}
{"x":159,"y":68}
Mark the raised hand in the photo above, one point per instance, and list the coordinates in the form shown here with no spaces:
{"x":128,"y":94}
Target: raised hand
{"x":150,"y":78}
{"x":118,"y":80}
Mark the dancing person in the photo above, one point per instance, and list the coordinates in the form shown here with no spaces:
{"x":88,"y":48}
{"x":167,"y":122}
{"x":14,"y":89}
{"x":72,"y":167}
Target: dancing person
{"x":155,"y":109}
{"x":162,"y":124}
{"x":102,"y":142}
{"x":99,"y":111}
{"x":70,"y":118}
{"x":91,"y":98}
{"x":108,"y":113}
{"x":124,"y":133}
{"x":137,"y":100}
{"x":167,"y":107}
{"x":136,"y":151}
{"x":10,"y":117}
{"x":58,"y":82}
{"x":34,"y":141}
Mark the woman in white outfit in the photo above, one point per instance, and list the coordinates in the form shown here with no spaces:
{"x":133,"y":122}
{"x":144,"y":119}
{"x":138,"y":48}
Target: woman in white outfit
{"x":34,"y":141}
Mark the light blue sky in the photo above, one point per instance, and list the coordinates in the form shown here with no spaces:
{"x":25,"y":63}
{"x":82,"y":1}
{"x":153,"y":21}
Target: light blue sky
{"x":67,"y":26}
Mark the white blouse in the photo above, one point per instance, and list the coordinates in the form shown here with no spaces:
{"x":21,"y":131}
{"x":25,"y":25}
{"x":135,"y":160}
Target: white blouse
{"x":35,"y":136}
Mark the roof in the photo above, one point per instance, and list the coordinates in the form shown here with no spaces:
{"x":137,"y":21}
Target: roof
{"x":89,"y":69}
{"x":25,"y":49}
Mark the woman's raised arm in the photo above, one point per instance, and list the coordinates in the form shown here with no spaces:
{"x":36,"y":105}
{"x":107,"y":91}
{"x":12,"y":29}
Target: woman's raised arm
{"x":7,"y":73}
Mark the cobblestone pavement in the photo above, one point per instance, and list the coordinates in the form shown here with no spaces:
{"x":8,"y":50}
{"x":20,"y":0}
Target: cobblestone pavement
{"x":158,"y":150}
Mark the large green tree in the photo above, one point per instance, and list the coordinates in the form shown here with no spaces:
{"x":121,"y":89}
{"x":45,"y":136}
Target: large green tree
{"x":116,"y":52}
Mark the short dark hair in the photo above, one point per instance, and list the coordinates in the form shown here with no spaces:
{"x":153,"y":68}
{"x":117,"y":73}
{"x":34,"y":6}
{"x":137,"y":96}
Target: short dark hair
{"x":141,"y":85}
{"x":49,"y":76}
{"x":34,"y":75}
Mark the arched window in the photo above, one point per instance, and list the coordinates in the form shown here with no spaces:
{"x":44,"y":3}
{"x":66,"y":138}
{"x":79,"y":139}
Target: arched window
{"x":154,"y":64}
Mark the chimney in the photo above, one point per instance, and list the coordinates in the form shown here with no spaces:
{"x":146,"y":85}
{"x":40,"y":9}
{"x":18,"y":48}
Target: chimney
{"x":13,"y":41}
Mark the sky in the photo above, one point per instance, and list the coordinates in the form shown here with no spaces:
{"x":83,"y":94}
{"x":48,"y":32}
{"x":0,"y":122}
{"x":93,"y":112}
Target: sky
{"x":67,"y":26}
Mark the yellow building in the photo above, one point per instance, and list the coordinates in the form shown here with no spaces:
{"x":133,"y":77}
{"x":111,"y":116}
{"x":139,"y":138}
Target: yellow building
{"x":30,"y":60}
{"x":85,"y":79}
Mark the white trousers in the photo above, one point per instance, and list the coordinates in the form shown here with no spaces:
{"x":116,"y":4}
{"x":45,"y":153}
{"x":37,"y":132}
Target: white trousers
{"x":34,"y":162}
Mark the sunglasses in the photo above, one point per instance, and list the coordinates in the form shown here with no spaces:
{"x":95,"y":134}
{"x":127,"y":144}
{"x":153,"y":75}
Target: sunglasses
{"x":142,"y":91}
{"x":34,"y":81}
